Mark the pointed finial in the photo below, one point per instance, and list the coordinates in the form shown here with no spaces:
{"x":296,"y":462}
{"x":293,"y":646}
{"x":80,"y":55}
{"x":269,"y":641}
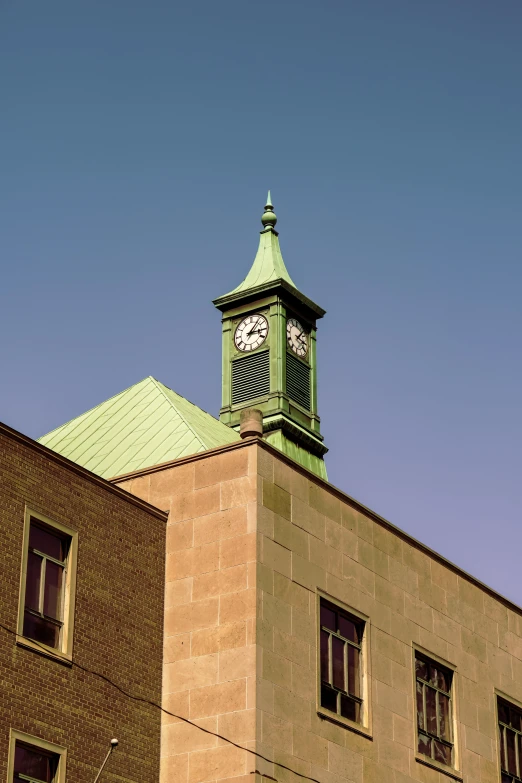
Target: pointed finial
{"x":269,"y":218}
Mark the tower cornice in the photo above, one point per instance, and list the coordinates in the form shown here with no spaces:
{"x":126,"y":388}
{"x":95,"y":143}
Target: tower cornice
{"x":273,"y":286}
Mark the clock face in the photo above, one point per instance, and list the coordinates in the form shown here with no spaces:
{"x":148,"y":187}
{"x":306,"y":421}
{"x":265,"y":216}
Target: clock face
{"x":297,"y":337}
{"x":251,"y":333}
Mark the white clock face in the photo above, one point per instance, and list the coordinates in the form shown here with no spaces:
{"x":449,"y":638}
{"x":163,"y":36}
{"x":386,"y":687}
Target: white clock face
{"x":251,"y":333}
{"x":297,"y":337}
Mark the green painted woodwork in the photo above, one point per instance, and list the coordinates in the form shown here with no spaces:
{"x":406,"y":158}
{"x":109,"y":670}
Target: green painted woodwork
{"x":269,"y":289}
{"x":268,"y":264}
{"x":145,"y":425}
{"x":292,"y":449}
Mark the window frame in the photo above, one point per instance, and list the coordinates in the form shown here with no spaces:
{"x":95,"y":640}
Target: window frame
{"x":452,"y":770}
{"x":363,"y":727}
{"x":517,"y":706}
{"x":64,"y":651}
{"x":39,"y":744}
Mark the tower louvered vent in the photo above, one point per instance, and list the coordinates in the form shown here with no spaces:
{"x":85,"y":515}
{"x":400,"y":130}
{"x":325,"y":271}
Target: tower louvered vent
{"x":250,"y":377}
{"x":298,"y":381}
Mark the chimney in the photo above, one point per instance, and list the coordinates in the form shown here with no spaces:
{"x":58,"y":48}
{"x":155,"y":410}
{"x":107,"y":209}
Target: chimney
{"x":251,"y":423}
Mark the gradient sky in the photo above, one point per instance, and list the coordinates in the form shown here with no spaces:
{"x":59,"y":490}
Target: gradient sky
{"x":137,"y":143}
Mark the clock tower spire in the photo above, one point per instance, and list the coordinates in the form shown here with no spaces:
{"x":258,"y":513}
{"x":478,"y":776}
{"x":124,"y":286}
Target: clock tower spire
{"x":269,"y":353}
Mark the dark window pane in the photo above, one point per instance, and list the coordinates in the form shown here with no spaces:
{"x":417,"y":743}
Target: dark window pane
{"x":325,"y":675}
{"x":41,"y":630}
{"x":441,"y":752}
{"x":46,"y":542}
{"x":421,"y":668}
{"x":444,"y":716}
{"x":511,"y":758}
{"x":354,"y":679}
{"x":32,"y":584}
{"x":431,"y":710}
{"x":328,"y":698}
{"x":34,"y":763}
{"x":440,"y":678}
{"x":350,"y":709}
{"x":327,"y":618}
{"x":420,"y":706}
{"x":348,"y":629}
{"x":424,"y":745}
{"x":53,"y":590}
{"x":503,"y":712}
{"x":338,"y":663}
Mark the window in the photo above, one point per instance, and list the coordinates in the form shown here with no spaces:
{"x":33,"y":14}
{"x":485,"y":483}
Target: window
{"x":33,"y":760}
{"x":510,"y":738}
{"x":434,"y":710}
{"x":46,"y":562}
{"x":34,"y":764}
{"x":341,"y":637}
{"x":47,"y":590}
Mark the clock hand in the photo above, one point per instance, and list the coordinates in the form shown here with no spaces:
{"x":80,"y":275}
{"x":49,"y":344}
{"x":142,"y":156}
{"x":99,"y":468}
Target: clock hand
{"x":254,"y":326}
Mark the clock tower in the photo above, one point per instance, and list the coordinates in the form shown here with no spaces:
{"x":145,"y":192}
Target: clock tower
{"x":269,"y":353}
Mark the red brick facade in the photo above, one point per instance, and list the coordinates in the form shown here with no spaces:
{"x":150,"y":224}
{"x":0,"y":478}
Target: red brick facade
{"x":118,"y":619}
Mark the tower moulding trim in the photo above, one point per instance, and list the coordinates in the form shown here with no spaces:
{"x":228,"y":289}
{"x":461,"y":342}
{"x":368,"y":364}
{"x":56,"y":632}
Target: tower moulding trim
{"x":295,"y":433}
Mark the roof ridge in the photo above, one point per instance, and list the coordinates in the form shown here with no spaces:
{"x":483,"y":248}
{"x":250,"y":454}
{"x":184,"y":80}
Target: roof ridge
{"x":142,"y":425}
{"x":159,"y":386}
{"x":189,"y":402}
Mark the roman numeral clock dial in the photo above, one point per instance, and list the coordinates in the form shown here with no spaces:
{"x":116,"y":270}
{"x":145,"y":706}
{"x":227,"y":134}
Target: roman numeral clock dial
{"x":251,"y":333}
{"x":297,"y":337}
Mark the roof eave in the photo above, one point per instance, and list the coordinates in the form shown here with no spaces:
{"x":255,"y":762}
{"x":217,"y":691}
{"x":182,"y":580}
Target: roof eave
{"x":272,"y":286}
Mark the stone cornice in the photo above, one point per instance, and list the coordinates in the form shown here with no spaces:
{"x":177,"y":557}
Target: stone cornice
{"x":255,"y":441}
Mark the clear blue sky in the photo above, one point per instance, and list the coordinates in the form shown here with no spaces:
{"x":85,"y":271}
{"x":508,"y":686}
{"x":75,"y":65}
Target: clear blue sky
{"x":137,"y":143}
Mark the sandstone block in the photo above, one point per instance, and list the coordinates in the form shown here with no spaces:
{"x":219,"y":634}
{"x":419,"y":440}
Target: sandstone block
{"x":239,"y":727}
{"x":180,"y":535}
{"x":222,"y":524}
{"x":237,"y":606}
{"x":190,"y":673}
{"x":178,"y":592}
{"x":222,"y":467}
{"x":218,"y":699}
{"x":234,"y":551}
{"x":216,"y":763}
{"x":276,"y":499}
{"x":176,"y":648}
{"x":238,"y":492}
{"x":190,"y":617}
{"x":237,"y":663}
{"x":222,"y":637}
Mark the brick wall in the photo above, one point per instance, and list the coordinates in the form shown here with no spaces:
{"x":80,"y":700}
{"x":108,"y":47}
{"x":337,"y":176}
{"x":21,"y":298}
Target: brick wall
{"x":118,"y":625}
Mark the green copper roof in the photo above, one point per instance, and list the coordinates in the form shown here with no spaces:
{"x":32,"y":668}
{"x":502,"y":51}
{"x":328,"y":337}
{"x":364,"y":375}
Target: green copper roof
{"x":268,"y":264}
{"x":142,"y":426}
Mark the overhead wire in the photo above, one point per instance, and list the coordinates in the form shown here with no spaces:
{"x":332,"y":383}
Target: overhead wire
{"x":154,"y":704}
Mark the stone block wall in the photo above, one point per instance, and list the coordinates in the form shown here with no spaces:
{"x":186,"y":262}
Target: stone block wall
{"x":312,"y":539}
{"x":209,"y":673}
{"x":252,"y":541}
